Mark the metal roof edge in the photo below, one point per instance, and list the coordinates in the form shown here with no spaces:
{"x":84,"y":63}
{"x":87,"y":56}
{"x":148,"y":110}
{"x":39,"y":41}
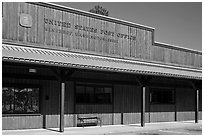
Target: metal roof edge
{"x":118,"y":59}
{"x":21,"y":60}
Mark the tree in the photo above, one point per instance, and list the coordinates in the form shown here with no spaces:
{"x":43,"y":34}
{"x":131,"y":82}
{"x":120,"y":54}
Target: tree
{"x":99,"y":10}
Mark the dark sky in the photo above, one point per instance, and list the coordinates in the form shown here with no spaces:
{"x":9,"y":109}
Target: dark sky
{"x":176,"y":23}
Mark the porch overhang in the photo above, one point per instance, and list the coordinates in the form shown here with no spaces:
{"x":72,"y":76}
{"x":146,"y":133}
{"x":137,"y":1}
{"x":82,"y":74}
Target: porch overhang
{"x":16,"y":53}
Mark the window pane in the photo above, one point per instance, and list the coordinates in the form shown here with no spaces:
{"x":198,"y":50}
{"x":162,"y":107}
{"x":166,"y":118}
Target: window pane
{"x":8,"y":100}
{"x":103,"y":95}
{"x":108,"y":94}
{"x":80,"y":94}
{"x":33,"y":105}
{"x":162,"y":96}
{"x":99,"y":95}
{"x":20,"y":100}
{"x":35,"y":100}
{"x":90,"y":95}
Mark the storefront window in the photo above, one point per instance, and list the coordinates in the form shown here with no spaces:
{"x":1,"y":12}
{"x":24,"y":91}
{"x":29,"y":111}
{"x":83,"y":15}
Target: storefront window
{"x":20,"y":100}
{"x":92,"y":94}
{"x":162,"y":96}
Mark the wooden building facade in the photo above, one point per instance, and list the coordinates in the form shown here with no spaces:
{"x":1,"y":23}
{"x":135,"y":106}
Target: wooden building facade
{"x":59,"y":63}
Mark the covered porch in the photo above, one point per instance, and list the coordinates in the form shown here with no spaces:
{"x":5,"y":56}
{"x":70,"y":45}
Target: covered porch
{"x":131,"y":98}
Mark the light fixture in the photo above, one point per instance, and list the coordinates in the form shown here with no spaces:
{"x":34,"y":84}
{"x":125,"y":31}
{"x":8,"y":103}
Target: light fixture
{"x":31,"y":70}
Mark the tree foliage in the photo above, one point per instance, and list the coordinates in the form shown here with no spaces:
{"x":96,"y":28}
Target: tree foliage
{"x":99,"y":10}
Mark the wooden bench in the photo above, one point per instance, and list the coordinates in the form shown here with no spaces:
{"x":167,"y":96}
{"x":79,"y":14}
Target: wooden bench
{"x":85,"y":119}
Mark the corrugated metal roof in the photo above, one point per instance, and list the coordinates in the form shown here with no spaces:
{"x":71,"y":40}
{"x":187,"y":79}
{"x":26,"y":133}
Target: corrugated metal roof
{"x":77,"y":60}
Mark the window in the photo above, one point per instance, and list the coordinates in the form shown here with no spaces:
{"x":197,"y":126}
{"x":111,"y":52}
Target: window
{"x":20,"y":100}
{"x":162,"y":96}
{"x":93,"y":94}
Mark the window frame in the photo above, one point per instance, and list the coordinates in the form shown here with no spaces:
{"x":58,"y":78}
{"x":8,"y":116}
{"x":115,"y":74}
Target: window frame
{"x":173,"y":90}
{"x":14,"y":85}
{"x":94,"y":85}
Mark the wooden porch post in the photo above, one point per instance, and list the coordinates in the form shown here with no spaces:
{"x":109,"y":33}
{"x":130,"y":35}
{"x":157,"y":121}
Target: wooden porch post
{"x":143,"y":106}
{"x":62,"y":75}
{"x":196,"y":105}
{"x":62,"y":93}
{"x":196,"y":85}
{"x":143,"y":82}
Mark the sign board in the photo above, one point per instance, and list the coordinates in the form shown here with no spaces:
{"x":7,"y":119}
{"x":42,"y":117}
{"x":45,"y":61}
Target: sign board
{"x":26,"y":20}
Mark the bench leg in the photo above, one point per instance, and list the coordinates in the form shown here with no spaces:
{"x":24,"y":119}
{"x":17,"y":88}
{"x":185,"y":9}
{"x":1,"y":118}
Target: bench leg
{"x":83,"y":124}
{"x":100,"y":122}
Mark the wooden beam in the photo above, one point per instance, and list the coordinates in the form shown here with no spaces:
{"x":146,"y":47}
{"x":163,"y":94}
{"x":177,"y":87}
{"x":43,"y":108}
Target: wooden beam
{"x":28,"y":76}
{"x":63,"y":75}
{"x":56,"y":74}
{"x":69,"y":78}
{"x":196,"y":105}
{"x":196,"y":85}
{"x":143,"y":81}
{"x":143,"y":106}
{"x":62,"y":94}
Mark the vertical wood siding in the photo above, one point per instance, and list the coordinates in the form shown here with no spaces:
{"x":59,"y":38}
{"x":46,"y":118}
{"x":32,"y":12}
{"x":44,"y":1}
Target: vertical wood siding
{"x":173,"y":56}
{"x":69,"y":105}
{"x":52,"y":35}
{"x":200,"y":115}
{"x":50,"y":107}
{"x":162,"y":113}
{"x":127,"y":104}
{"x":118,"y":94}
{"x":21,"y":122}
{"x":184,"y":110}
{"x":185,"y":106}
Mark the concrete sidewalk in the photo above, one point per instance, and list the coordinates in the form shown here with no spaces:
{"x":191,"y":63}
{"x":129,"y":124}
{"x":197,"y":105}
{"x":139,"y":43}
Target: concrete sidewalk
{"x":162,"y":128}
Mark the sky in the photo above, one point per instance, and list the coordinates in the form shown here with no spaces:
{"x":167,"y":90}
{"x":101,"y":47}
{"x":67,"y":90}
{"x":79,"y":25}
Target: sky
{"x":175,"y":23}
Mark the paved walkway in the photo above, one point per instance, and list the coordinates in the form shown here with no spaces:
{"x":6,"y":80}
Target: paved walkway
{"x":162,"y":128}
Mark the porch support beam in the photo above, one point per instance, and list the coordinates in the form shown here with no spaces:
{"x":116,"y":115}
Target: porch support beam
{"x":196,"y":85}
{"x":143,"y":82}
{"x":62,"y":93}
{"x":196,"y":105}
{"x":62,"y":75}
{"x":143,"y":106}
